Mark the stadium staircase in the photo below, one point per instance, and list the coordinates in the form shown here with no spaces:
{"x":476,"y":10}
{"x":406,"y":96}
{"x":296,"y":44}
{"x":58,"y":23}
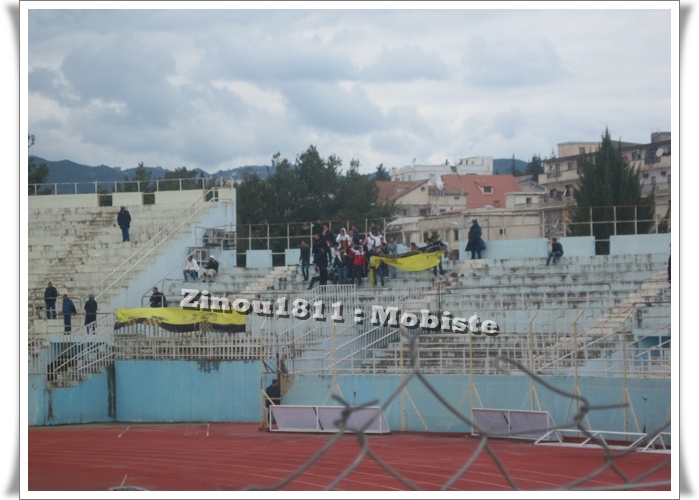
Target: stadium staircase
{"x":80,"y":251}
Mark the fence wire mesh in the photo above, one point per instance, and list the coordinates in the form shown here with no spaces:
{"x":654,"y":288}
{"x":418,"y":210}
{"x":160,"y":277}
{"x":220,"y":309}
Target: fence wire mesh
{"x":657,"y":440}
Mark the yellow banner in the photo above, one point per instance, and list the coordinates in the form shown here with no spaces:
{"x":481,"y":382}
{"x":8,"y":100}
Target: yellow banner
{"x":179,"y":319}
{"x":413,"y":261}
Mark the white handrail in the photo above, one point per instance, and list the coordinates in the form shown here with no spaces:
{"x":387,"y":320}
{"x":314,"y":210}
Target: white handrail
{"x":163,"y":234}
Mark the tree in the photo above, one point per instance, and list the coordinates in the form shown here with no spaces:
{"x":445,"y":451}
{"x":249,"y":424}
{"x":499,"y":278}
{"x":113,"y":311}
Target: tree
{"x":139,"y":182}
{"x":38,"y":174}
{"x":181,"y":179}
{"x":535,"y":167}
{"x":609,"y":196}
{"x":513,"y":168}
{"x":313,"y":189}
{"x":382,"y":174}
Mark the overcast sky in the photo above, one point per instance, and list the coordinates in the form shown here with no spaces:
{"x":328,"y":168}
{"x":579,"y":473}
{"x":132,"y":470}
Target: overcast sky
{"x":223,"y":88}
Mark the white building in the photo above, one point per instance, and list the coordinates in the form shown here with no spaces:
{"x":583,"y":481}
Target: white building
{"x":481,"y":165}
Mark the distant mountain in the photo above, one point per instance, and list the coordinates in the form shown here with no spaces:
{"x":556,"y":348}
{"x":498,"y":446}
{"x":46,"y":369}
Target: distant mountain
{"x":502,"y":165}
{"x":65,"y":171}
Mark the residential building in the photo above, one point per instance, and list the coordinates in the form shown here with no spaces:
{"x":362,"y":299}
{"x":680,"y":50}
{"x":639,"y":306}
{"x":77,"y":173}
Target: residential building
{"x":478,"y":165}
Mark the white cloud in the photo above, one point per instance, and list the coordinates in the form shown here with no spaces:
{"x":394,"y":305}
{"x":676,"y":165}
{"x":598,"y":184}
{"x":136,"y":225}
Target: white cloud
{"x":219,"y":88}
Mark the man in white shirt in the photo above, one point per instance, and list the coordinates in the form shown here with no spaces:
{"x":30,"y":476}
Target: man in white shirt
{"x":191,"y":269}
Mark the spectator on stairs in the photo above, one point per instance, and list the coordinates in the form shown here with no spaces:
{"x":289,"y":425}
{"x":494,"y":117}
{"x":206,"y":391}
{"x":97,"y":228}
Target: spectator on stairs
{"x":90,"y":313}
{"x":68,"y":311}
{"x":50,"y":296}
{"x":124,"y":222}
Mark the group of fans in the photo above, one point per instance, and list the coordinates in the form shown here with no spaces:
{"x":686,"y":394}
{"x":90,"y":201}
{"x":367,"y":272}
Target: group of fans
{"x":344,"y":258}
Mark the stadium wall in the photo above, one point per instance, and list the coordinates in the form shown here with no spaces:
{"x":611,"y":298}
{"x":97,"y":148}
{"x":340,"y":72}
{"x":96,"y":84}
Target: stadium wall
{"x":164,"y":391}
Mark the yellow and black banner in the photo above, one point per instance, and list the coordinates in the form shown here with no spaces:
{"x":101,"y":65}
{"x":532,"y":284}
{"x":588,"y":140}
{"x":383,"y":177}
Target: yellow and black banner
{"x":176,"y":319}
{"x":411,"y":261}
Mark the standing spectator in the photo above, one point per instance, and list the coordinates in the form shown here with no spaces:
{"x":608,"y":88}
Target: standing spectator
{"x":393,"y":250}
{"x":358,"y":260}
{"x":434,"y":245}
{"x":210,"y":269}
{"x":90,"y":313}
{"x":475,"y":242}
{"x":50,"y":296}
{"x":320,"y":261}
{"x":274,"y":397}
{"x":124,"y":222}
{"x":68,"y":311}
{"x":191,"y":269}
{"x":343,"y":239}
{"x":556,"y":251}
{"x":344,"y":266}
{"x":305,"y":259}
{"x":157,"y":299}
{"x":357,"y":237}
{"x":327,"y":235}
{"x":374,"y":249}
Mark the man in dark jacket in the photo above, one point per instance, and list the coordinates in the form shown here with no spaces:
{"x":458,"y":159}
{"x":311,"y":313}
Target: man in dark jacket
{"x":435,"y":245}
{"x":90,"y":313}
{"x":556,"y":251}
{"x":68,"y":310}
{"x":50,"y":296}
{"x":210,"y":269}
{"x":475,"y":242}
{"x":274,"y":396}
{"x":305,"y":259}
{"x":158,"y":298}
{"x":124,"y":222}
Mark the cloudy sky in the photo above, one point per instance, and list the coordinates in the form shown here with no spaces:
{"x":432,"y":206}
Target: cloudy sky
{"x":220,"y":88}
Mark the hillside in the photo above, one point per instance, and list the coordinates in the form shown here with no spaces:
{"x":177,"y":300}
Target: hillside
{"x":66,"y":171}
{"x":502,"y":165}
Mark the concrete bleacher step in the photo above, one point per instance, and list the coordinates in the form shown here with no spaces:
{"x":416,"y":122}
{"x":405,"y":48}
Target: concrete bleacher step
{"x":77,"y":248}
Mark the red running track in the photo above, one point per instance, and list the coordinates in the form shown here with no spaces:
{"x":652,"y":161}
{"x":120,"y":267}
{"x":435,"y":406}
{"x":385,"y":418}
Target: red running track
{"x":224,"y":457}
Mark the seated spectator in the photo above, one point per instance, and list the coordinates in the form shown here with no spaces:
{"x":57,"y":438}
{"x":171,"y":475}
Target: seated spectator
{"x":191,"y":269}
{"x":556,"y":251}
{"x":210,"y":269}
{"x":157,"y":299}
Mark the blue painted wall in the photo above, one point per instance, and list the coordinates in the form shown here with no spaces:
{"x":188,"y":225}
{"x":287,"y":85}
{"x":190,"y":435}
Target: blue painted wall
{"x":192,"y":391}
{"x":418,"y":409}
{"x":90,"y":401}
{"x":187,"y":391}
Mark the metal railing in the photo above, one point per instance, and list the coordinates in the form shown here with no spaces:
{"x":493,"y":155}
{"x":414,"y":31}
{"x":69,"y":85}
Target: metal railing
{"x":542,"y":223}
{"x":67,"y":359}
{"x":119,"y":273}
{"x":110,"y":187}
{"x":456,"y":361}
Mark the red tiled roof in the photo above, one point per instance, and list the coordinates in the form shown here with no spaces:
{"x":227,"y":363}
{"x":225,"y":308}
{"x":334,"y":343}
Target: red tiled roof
{"x":474,"y":188}
{"x":392,"y":190}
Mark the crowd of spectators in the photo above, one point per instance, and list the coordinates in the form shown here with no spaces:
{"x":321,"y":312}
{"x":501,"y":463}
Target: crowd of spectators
{"x":344,"y":258}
